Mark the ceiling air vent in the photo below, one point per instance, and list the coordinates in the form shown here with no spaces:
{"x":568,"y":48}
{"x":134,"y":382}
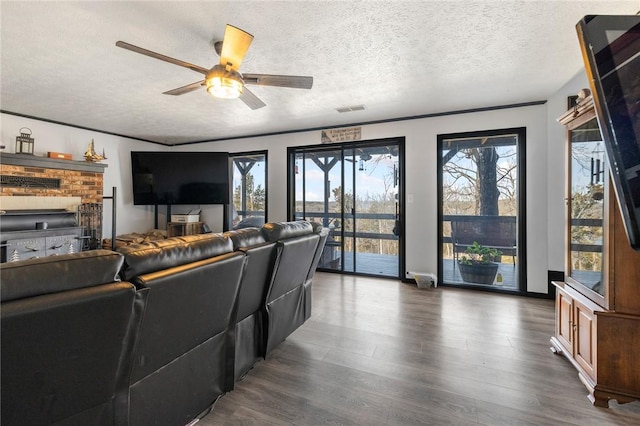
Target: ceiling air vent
{"x":351,"y":108}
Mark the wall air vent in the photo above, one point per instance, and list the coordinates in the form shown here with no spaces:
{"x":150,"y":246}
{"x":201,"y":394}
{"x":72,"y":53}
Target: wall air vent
{"x":351,"y":108}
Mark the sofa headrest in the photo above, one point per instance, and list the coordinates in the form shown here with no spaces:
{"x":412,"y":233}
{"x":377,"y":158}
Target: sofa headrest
{"x":55,"y":274}
{"x":246,"y":237}
{"x":275,"y":231}
{"x":140,"y":259}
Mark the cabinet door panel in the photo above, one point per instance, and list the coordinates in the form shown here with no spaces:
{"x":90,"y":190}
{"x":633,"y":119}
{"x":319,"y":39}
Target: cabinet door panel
{"x":62,"y":244}
{"x":585,"y":333}
{"x":564,"y":321}
{"x":23,"y":249}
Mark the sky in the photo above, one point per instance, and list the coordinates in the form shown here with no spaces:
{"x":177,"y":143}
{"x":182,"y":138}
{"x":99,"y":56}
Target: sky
{"x":369,"y":182}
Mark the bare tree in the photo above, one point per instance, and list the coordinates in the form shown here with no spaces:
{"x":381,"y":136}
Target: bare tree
{"x":477,"y":182}
{"x":486,"y":159}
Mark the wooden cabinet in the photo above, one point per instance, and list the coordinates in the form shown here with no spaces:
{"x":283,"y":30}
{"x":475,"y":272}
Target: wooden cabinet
{"x":564,"y":320}
{"x":178,"y":229}
{"x":576,"y":328}
{"x":598,"y":306}
{"x":584,"y":349}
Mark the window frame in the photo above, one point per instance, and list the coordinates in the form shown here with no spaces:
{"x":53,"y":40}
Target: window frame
{"x":521,"y":133}
{"x":232,"y":157}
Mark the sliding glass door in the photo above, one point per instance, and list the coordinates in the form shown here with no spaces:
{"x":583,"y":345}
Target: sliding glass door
{"x":353,"y":190}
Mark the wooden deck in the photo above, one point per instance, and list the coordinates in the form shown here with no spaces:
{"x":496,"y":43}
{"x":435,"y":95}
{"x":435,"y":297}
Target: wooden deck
{"x":388,"y":266}
{"x":366,"y":263}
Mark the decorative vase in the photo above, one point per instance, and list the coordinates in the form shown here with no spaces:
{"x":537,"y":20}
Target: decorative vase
{"x":479,"y":273}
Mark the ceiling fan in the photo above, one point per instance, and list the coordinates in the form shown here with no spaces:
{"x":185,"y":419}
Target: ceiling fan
{"x":224,"y":80}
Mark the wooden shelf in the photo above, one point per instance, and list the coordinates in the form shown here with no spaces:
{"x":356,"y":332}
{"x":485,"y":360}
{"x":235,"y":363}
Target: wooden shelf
{"x":27,"y":160}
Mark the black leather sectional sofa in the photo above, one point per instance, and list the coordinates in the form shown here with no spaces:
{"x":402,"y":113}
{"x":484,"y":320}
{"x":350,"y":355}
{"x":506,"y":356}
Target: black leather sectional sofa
{"x":152,"y":334}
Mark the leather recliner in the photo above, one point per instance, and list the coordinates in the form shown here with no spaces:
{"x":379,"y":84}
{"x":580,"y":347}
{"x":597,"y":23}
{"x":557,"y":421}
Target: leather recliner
{"x":79,"y":347}
{"x":287,"y":302}
{"x":67,"y":333}
{"x":249,"y":329}
{"x":182,"y":362}
{"x":323,"y":233}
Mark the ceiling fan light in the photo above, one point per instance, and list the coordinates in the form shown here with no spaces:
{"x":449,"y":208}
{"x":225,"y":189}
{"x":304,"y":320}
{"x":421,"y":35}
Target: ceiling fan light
{"x":225,"y":86}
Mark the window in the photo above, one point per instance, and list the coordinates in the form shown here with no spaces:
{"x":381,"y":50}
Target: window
{"x":249,"y":190}
{"x":481,"y":195}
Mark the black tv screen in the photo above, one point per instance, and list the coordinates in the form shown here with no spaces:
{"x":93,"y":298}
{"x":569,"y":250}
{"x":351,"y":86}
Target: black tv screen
{"x":611,"y":52}
{"x":167,"y":178}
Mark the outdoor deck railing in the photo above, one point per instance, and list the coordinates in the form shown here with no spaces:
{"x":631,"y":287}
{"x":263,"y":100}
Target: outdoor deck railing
{"x":331,"y":218}
{"x":326,"y":219}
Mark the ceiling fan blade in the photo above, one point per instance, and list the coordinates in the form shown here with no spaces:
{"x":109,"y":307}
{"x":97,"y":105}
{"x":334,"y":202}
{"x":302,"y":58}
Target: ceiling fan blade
{"x":185,"y":89}
{"x":155,"y":55}
{"x":251,"y":100}
{"x":234,"y":46}
{"x":294,"y":81}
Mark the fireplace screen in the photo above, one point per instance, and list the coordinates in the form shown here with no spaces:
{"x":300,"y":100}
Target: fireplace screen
{"x":89,"y":216}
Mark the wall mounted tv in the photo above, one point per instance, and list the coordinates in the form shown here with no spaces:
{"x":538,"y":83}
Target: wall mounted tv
{"x":611,"y":52}
{"x":168,"y":178}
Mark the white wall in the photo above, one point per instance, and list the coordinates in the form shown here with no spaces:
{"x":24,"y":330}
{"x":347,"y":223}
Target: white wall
{"x":58,"y":138}
{"x":543,"y":152}
{"x":420,"y":164}
{"x":556,"y":162}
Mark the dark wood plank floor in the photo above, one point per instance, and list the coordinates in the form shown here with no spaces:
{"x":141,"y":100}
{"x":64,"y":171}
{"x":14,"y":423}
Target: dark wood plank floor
{"x":379,"y":352}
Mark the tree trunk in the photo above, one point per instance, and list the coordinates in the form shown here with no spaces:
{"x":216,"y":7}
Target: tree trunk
{"x":487,"y":185}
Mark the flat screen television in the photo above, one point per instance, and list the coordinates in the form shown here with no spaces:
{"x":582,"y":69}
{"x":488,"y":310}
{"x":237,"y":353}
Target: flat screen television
{"x":611,"y":51}
{"x":168,"y":178}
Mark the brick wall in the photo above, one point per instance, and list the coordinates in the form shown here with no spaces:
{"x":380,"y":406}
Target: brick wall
{"x":83,"y":184}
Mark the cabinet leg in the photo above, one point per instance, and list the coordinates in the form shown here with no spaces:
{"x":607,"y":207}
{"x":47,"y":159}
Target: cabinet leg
{"x":601,"y":399}
{"x":598,"y":400}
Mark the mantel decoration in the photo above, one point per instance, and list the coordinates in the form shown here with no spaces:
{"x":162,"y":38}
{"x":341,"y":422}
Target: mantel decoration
{"x":477,"y":266}
{"x":24,"y":142}
{"x":91,"y":155}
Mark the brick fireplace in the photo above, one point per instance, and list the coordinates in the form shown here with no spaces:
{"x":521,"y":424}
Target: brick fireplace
{"x":28,"y":175}
{"x":48,"y":206}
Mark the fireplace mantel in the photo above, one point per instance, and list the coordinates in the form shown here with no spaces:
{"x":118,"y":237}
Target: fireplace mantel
{"x":27,"y":160}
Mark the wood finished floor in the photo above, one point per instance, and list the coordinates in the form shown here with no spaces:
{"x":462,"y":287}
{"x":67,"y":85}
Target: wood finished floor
{"x":380,"y":352}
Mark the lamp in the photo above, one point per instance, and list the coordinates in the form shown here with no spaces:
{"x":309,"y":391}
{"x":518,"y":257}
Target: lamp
{"x":224,"y":83}
{"x":24,"y":142}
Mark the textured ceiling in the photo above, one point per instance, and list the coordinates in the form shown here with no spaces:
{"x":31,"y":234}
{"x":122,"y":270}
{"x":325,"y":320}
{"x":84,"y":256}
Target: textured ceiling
{"x":398,"y":58}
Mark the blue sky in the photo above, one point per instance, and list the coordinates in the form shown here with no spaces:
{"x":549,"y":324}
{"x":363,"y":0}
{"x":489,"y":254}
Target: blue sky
{"x":370,"y":182}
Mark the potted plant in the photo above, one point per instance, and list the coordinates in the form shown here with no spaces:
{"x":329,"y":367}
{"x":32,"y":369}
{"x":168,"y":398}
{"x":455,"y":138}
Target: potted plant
{"x":477,"y":264}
